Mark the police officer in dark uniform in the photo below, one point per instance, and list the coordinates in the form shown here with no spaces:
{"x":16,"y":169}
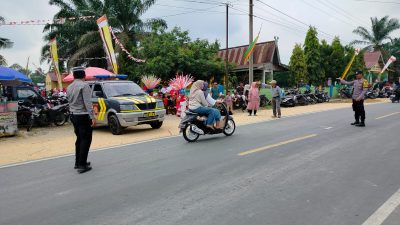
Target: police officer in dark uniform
{"x":360,"y":87}
{"x":82,"y":117}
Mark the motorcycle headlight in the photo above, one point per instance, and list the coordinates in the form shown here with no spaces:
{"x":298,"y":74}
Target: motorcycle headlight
{"x":160,"y":105}
{"x":294,"y":97}
{"x":127,"y":107}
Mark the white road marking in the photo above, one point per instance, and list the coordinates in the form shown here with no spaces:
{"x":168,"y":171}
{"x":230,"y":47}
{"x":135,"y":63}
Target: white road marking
{"x":94,"y":150}
{"x":391,"y":114}
{"x":381,"y":214}
{"x":328,"y":128}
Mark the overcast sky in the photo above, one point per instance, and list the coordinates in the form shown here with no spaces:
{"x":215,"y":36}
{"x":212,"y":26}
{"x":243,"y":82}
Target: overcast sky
{"x":331,"y":17}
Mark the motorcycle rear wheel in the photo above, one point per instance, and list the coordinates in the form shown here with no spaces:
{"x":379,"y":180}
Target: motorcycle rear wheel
{"x":189,"y":135}
{"x":60,"y":119}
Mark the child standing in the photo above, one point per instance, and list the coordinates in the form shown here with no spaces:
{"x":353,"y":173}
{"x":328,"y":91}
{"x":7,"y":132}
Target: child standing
{"x":229,"y":102}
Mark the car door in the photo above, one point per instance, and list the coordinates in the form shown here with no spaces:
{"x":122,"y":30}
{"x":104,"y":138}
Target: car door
{"x":99,"y":106}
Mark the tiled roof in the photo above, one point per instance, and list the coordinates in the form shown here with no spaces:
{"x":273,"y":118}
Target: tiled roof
{"x":263,"y":53}
{"x":372,"y":58}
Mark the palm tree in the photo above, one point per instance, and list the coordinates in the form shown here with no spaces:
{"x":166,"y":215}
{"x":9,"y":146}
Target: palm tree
{"x":80,"y":38}
{"x":380,"y":31}
{"x":4,"y":43}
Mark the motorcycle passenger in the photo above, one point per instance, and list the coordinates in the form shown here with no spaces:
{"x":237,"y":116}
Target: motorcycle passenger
{"x":210,"y":100}
{"x":199,"y":104}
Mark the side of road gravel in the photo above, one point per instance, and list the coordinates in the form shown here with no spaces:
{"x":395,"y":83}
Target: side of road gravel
{"x":56,"y":141}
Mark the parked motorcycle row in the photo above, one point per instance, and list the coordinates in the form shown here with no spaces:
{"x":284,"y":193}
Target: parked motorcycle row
{"x":294,"y":97}
{"x":31,"y":112}
{"x":385,"y":92}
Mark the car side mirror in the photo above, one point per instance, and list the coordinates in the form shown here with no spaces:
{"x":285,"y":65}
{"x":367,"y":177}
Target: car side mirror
{"x":99,"y":94}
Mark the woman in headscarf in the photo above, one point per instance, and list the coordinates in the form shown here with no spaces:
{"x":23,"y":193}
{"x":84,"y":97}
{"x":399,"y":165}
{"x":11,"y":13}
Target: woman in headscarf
{"x":254,"y":99}
{"x":199,"y":104}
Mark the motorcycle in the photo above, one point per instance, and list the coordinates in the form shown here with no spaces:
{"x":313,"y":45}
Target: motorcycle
{"x":239,"y":102}
{"x":395,"y":97}
{"x":370,"y":94}
{"x":312,"y":99}
{"x":385,"y":92}
{"x":25,"y":116}
{"x":54,"y":100}
{"x":193,"y":125}
{"x":43,"y":115}
{"x":264,"y":101}
{"x":322,"y":97}
{"x":344,"y":92}
{"x":290,"y":99}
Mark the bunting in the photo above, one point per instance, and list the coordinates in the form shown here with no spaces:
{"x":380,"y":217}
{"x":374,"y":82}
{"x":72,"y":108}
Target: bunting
{"x":44,"y":22}
{"x":124,"y":49}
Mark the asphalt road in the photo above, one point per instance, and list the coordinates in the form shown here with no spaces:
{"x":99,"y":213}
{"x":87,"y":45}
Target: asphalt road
{"x":313,"y":169}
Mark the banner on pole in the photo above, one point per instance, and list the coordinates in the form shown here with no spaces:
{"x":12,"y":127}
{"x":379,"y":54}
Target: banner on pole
{"x":251,"y":47}
{"x":391,"y":59}
{"x":105,"y":34}
{"x":350,"y":63}
{"x":54,"y":58}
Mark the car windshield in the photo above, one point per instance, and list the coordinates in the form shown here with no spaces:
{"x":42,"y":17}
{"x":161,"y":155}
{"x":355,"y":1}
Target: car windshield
{"x":115,"y":89}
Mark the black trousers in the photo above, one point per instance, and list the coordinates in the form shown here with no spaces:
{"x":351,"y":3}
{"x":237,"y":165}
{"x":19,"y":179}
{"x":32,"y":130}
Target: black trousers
{"x":359,"y":112}
{"x":83,"y":131}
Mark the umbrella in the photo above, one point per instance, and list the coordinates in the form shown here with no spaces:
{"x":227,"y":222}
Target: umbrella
{"x":91,"y":72}
{"x":8,"y":75}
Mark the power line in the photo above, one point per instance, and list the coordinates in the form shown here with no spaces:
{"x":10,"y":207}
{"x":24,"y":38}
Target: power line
{"x":206,"y":10}
{"x":330,"y":14}
{"x":384,"y":2}
{"x":326,"y":13}
{"x":293,"y":18}
{"x":202,"y":2}
{"x":270,"y":21}
{"x":193,"y":11}
{"x":346,"y":12}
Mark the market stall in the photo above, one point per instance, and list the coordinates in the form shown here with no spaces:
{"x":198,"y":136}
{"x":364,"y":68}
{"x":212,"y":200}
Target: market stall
{"x":8,"y":108}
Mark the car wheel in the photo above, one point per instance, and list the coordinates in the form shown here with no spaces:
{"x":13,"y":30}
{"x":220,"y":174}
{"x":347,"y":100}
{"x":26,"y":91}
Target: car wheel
{"x":156,"y":125}
{"x":114,"y":125}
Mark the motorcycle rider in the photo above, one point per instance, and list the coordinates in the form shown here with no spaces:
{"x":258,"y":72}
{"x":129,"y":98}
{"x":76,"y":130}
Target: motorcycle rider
{"x":360,"y":86}
{"x":199,"y":104}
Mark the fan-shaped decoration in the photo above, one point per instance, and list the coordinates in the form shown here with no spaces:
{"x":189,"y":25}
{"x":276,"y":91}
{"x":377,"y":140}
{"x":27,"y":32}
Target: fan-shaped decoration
{"x":180,"y":81}
{"x":150,"y":81}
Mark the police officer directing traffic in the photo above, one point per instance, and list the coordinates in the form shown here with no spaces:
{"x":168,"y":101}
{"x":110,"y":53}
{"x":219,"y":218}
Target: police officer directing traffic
{"x":82,"y":117}
{"x":360,"y":86}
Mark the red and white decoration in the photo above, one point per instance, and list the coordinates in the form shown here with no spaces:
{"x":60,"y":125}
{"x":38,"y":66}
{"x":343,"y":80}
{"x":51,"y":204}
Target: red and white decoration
{"x":124,"y":49}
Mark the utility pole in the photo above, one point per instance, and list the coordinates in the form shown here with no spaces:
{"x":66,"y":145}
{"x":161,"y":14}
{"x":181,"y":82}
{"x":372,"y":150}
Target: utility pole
{"x":251,"y":40}
{"x":226,"y":49}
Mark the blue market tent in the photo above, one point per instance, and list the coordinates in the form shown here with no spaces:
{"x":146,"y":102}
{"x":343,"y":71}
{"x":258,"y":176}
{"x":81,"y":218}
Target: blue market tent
{"x":10,"y":75}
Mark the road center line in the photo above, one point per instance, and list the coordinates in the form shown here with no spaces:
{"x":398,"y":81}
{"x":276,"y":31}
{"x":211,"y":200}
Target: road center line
{"x":391,"y":114}
{"x":381,"y":214}
{"x":275,"y":145}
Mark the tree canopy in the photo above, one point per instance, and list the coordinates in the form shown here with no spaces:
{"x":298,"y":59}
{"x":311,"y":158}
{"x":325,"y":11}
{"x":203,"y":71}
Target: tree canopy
{"x":297,"y":66}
